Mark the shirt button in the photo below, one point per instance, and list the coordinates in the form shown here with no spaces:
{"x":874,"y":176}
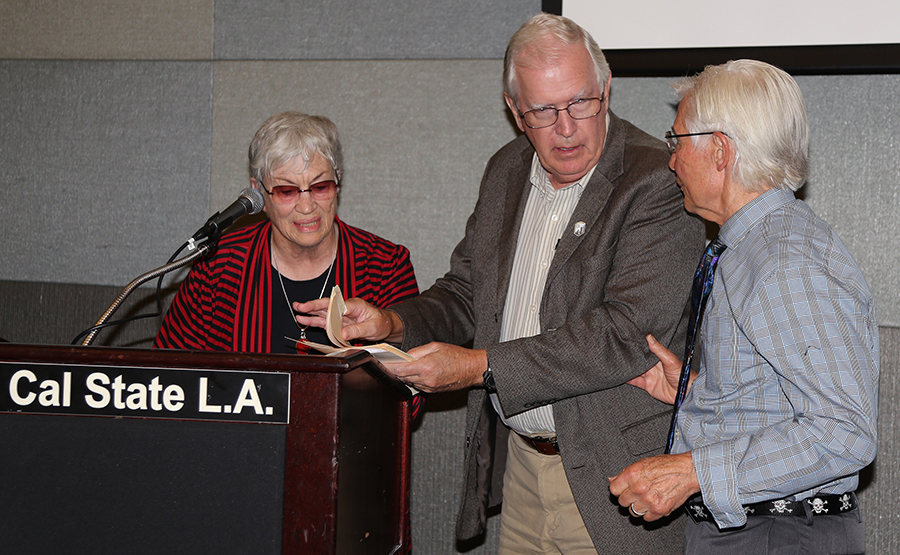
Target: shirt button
{"x":554,"y":218}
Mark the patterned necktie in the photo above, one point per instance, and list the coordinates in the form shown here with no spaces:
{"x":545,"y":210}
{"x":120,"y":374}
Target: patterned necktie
{"x":703,"y":282}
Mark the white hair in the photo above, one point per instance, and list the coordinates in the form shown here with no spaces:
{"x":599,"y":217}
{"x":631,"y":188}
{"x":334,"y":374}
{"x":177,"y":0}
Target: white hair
{"x":289,"y":135}
{"x":761,"y":109}
{"x":540,"y":40}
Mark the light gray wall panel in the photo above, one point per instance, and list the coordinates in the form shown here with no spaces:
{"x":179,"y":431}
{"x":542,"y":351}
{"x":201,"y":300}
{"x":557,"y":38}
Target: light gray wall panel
{"x":854,"y":181}
{"x":105,"y":167}
{"x":880,"y":482}
{"x":416,"y":137}
{"x":367,"y":29}
{"x":107,"y":29}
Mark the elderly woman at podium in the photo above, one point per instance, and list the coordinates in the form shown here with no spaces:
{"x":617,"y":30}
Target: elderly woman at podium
{"x":241,"y":297}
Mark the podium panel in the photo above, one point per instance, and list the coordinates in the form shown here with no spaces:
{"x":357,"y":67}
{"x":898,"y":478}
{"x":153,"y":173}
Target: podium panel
{"x":105,"y":485}
{"x":95,"y":464}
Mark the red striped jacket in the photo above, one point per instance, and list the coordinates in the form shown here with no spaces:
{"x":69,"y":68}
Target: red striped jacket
{"x":225,"y":303}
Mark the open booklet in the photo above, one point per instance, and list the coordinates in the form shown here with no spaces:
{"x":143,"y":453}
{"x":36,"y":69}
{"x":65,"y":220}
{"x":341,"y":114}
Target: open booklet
{"x":334,"y":323}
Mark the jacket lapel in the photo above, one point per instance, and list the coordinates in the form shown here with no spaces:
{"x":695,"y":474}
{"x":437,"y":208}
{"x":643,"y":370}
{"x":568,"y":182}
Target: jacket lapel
{"x":517,"y":196}
{"x":595,"y":196}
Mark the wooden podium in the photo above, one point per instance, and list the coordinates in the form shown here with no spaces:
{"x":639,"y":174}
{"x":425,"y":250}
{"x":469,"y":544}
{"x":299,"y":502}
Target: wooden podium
{"x":153,"y":451}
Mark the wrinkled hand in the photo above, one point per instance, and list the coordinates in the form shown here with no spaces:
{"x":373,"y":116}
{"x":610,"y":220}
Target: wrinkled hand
{"x":441,"y":367}
{"x":661,"y":380}
{"x":361,"y":321}
{"x":656,"y":486}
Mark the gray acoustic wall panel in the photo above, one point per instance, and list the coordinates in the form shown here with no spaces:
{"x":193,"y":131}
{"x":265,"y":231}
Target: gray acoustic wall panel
{"x":104,"y":166}
{"x":367,"y":29}
{"x":416,"y":138}
{"x":854,"y":181}
{"x":880,"y":482}
{"x":107,"y":29}
{"x":854,"y":178}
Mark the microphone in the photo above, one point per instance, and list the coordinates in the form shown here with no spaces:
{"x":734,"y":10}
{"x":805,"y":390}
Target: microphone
{"x":250,"y":202}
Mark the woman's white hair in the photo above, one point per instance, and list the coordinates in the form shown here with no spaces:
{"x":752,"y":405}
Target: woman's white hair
{"x":760,"y":107}
{"x":538,"y":42}
{"x":289,"y":135}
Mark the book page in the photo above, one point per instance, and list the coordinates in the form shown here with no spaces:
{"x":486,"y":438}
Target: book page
{"x":334,"y":321}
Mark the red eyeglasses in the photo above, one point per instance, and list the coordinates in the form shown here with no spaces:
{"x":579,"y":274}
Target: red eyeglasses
{"x":323,"y":190}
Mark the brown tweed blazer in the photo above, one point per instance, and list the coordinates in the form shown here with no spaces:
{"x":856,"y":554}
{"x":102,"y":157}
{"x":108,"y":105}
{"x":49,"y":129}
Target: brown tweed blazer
{"x":628,"y":275}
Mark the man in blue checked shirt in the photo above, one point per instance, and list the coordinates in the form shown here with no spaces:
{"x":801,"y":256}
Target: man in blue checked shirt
{"x":780,"y":413}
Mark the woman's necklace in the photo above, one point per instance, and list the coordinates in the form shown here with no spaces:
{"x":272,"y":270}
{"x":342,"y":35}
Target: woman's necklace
{"x":283,"y":290}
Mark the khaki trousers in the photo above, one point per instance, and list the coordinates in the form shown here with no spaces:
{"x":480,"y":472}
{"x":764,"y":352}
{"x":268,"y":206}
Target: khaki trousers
{"x":539,"y":515}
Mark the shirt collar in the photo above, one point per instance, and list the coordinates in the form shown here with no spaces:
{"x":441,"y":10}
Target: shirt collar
{"x":736,"y":227}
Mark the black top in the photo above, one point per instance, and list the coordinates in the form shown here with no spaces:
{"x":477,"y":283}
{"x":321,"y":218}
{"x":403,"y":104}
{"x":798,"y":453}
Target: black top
{"x":283,"y":323}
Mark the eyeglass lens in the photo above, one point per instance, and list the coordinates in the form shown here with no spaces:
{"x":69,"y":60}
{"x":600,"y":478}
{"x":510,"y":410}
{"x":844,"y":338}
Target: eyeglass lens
{"x":582,"y":108}
{"x":323,"y":190}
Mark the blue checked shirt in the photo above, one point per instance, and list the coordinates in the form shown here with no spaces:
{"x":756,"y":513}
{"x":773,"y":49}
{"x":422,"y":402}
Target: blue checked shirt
{"x":786,"y":399}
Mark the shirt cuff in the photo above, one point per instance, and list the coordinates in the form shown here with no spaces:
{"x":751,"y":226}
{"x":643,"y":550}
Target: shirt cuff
{"x":715,"y":466}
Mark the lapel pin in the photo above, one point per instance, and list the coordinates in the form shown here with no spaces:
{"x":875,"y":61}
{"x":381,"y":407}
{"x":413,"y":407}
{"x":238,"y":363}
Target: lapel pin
{"x":579,"y":229}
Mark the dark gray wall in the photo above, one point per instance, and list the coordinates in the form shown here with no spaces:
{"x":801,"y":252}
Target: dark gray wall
{"x":123,"y":125}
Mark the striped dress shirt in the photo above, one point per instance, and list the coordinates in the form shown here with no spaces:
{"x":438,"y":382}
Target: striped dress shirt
{"x":546,"y":217}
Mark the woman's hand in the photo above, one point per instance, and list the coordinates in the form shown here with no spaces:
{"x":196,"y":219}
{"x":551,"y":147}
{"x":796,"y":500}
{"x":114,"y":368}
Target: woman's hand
{"x":361,"y":320}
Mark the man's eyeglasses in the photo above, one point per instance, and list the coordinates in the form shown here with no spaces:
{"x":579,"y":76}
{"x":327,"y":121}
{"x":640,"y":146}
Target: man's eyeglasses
{"x":672,"y":137}
{"x":583,"y":108}
{"x":323,"y":190}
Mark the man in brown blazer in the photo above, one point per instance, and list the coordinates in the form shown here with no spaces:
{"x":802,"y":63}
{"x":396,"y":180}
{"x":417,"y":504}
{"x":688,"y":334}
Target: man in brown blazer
{"x":579,"y":246}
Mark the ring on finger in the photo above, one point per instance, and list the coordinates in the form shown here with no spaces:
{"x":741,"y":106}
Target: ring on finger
{"x":635,"y":513}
